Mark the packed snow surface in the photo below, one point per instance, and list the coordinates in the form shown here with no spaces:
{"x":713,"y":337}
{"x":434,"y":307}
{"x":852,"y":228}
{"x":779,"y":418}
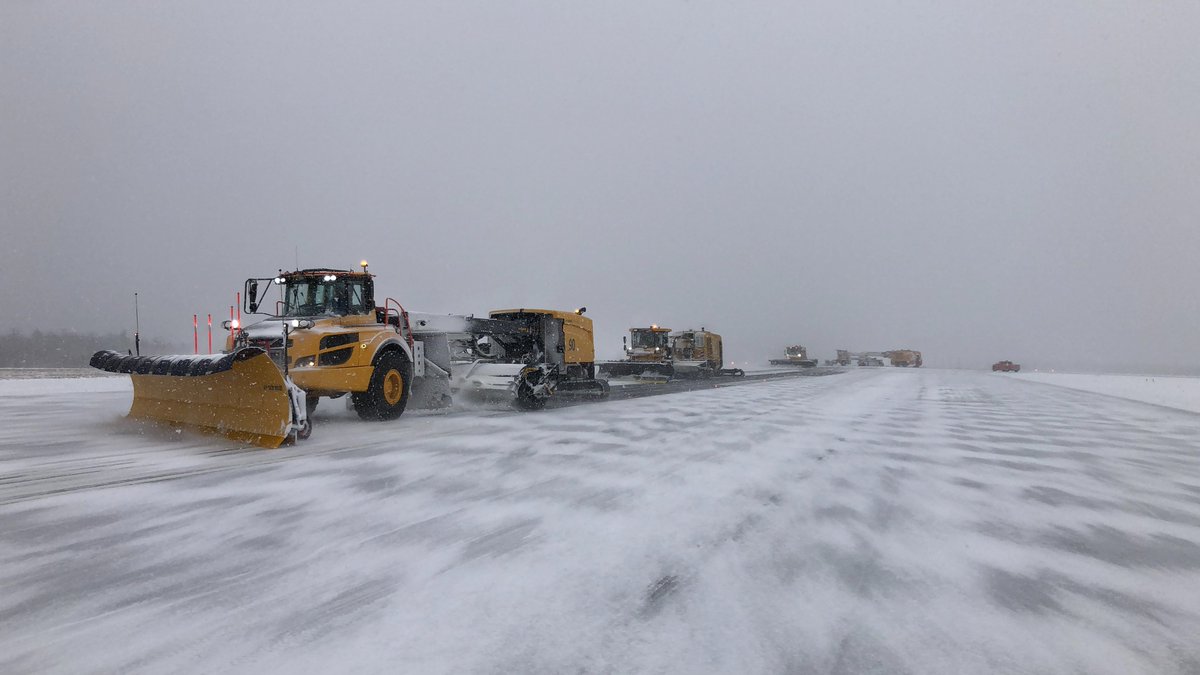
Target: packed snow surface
{"x":1173,"y":392}
{"x":885,"y":521}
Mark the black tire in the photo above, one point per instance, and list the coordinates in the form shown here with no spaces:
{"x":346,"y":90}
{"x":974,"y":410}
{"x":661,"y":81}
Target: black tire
{"x":526,"y":402}
{"x":299,"y":434}
{"x":310,"y":404}
{"x":305,"y":430}
{"x":387,"y":394}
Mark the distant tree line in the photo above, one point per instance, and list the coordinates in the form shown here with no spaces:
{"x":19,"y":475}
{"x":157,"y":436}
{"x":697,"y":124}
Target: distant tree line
{"x":41,"y":349}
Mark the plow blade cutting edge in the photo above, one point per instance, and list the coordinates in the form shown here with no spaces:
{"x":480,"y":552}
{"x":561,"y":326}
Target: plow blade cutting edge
{"x":242,"y":395}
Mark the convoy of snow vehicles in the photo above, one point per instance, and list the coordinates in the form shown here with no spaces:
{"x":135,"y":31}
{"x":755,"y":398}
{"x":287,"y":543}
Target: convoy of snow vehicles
{"x":659,"y":354}
{"x":900,"y":358}
{"x":326,"y":335}
{"x":1006,"y":367}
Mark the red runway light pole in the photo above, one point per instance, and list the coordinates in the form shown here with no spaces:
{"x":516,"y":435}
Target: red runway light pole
{"x":210,"y":333}
{"x":196,"y":333}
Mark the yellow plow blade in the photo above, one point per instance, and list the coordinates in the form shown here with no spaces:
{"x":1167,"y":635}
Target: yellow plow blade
{"x":241,"y":395}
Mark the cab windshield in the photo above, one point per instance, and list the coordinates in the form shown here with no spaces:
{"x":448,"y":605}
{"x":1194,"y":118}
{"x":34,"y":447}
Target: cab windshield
{"x":648,"y":339}
{"x":321,"y":296}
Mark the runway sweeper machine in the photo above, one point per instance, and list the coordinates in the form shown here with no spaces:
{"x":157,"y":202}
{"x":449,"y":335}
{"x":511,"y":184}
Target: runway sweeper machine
{"x":647,"y":355}
{"x":325,"y":336}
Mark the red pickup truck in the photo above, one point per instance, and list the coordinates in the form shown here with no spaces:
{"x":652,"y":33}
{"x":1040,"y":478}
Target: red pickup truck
{"x":1006,"y":367}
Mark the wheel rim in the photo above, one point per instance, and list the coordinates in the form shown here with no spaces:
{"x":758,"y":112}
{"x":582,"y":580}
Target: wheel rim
{"x":393,"y":387}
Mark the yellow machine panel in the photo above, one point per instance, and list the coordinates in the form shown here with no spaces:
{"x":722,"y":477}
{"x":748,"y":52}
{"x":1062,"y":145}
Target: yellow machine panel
{"x":698,"y":348}
{"x":578,"y":339}
{"x":248,"y":402}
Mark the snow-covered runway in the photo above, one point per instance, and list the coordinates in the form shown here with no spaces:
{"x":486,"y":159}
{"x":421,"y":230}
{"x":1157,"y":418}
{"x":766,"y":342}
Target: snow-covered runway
{"x":876,"y":521}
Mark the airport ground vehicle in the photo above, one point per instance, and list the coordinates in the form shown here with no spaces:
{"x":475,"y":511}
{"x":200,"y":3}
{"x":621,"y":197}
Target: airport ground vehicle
{"x":648,"y":354}
{"x":529,"y":355}
{"x":1006,"y":367}
{"x":845,"y":357}
{"x":327,"y":338}
{"x":699,"y":353}
{"x":904,"y":358}
{"x":796,"y":355}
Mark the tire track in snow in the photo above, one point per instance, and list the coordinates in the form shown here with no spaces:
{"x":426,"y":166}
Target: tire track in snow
{"x":64,"y":476}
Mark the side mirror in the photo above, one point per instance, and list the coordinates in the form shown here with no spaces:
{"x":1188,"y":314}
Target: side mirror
{"x":252,"y":295}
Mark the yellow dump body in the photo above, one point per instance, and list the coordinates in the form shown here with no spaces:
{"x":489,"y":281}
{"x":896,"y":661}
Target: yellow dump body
{"x":242,"y":395}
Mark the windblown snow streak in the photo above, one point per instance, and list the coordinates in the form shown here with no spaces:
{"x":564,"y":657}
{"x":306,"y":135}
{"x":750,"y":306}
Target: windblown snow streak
{"x":884,"y":521}
{"x":1173,"y":392}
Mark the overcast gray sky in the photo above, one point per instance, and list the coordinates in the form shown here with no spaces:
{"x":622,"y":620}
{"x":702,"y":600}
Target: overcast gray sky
{"x":976,"y":180}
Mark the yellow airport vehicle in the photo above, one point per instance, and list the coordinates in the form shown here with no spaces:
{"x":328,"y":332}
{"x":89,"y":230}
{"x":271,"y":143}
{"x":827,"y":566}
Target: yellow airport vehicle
{"x":648,"y":355}
{"x":325,"y":336}
{"x":904,"y":358}
{"x":796,"y":355}
{"x":699,"y":353}
{"x":530,"y":355}
{"x":328,"y":335}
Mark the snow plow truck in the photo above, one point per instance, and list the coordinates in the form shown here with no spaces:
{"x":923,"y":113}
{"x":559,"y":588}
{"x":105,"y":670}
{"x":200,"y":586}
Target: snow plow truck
{"x":796,"y":355}
{"x":647,"y":352}
{"x":904,"y":358}
{"x":327,"y":337}
{"x":699,"y":353}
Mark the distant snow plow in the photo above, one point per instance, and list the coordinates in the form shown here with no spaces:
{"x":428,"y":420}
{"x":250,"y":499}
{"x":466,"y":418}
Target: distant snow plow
{"x":796,"y":355}
{"x":647,"y":355}
{"x":242,"y":395}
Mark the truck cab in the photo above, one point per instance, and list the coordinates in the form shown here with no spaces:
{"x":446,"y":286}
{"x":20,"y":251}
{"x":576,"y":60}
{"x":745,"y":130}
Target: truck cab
{"x":649,"y":344}
{"x":337,"y":338}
